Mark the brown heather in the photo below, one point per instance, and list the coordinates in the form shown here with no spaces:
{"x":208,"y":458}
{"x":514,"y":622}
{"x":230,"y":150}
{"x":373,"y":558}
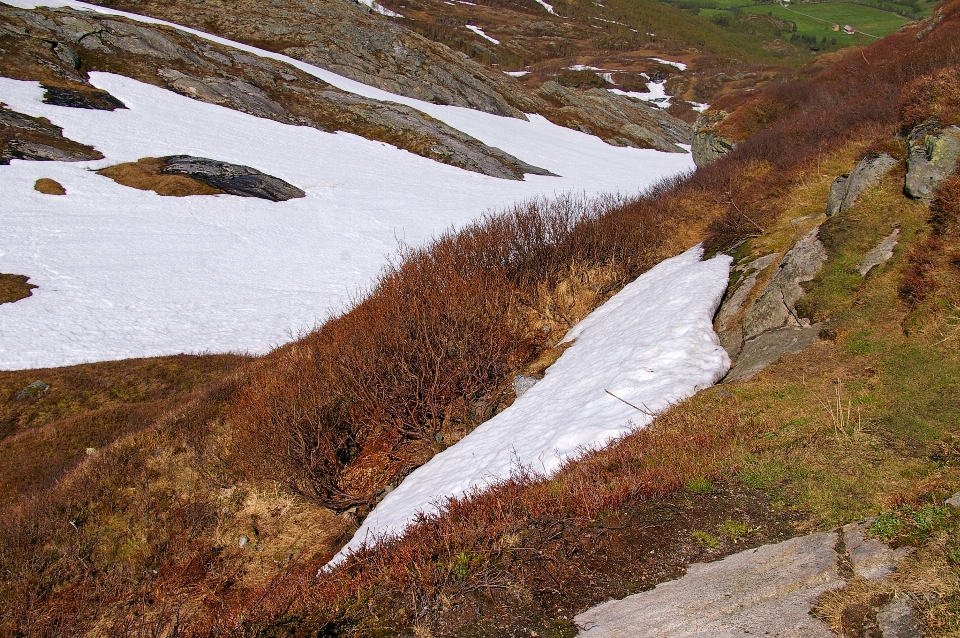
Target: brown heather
{"x":131,"y":539}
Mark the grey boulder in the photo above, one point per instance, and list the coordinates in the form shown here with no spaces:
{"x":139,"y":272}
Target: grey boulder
{"x":234,"y":179}
{"x":934,"y":154}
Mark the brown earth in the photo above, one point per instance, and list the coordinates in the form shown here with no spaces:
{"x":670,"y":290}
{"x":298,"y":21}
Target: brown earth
{"x":145,"y":174}
{"x":49,"y":186}
{"x":14,"y":288}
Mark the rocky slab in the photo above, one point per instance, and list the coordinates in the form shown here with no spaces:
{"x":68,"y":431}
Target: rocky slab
{"x":934,"y":156}
{"x":768,"y":591}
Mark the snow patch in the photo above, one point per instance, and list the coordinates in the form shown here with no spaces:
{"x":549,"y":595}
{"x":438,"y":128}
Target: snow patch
{"x":656,"y":94}
{"x":480,"y":33}
{"x":651,"y":346}
{"x":127,"y":273}
{"x":679,"y":65}
{"x":548,"y":7}
{"x":584,"y":67}
{"x":517,"y":74}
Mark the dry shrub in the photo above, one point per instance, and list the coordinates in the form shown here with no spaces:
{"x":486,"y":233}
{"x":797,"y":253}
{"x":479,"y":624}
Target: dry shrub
{"x":404,"y":578}
{"x":146,"y":174}
{"x":936,"y":96}
{"x":49,"y":186}
{"x":357,"y":404}
{"x":790,"y":125}
{"x":933,"y":264}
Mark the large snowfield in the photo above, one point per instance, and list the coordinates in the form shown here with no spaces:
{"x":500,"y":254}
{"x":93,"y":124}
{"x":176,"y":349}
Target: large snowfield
{"x":650,"y":346}
{"x":128,"y":273}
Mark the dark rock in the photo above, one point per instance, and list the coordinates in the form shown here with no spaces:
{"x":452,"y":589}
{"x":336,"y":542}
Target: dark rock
{"x":30,"y":138}
{"x":758,"y":353}
{"x":934,"y":156}
{"x":707,"y":145}
{"x":728,"y":324}
{"x":96,"y":100}
{"x":232,"y":178}
{"x":616,"y":119}
{"x":35,"y":389}
{"x":837,"y":191}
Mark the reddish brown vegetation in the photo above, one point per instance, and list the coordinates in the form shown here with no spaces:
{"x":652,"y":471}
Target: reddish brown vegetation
{"x":939,"y":251}
{"x":342,"y":412}
{"x":358,"y":403}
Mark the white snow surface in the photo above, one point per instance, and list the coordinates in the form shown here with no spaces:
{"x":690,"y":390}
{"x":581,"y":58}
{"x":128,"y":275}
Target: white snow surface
{"x":517,"y":74}
{"x":656,"y":93}
{"x":378,"y":8}
{"x":548,"y":7}
{"x":651,"y":345}
{"x":128,"y":273}
{"x":679,"y":65}
{"x":480,"y":33}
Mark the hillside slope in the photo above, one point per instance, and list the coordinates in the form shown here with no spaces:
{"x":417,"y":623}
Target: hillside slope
{"x":213,"y":514}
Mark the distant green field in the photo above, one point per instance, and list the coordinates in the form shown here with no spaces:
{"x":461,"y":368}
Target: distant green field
{"x":816,"y":19}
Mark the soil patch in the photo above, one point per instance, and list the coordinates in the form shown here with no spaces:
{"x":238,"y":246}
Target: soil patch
{"x":14,"y":287}
{"x":49,"y":186}
{"x":559,"y":568}
{"x":147,"y":175}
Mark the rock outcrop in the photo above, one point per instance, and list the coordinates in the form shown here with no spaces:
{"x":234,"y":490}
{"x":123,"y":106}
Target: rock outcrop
{"x":934,"y":156}
{"x":347,"y":38}
{"x":846,"y":191}
{"x":616,"y":119}
{"x":879,"y":254}
{"x":58,"y":47}
{"x":233,"y":179}
{"x":765,"y":591}
{"x":707,"y":144}
{"x":757,"y":334}
{"x":30,"y":138}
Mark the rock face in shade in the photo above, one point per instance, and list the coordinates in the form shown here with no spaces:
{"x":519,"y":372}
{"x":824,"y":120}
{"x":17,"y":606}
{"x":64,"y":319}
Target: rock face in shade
{"x":29,"y":138}
{"x":81,"y":99}
{"x":934,"y":156}
{"x":707,"y":145}
{"x":232,"y":178}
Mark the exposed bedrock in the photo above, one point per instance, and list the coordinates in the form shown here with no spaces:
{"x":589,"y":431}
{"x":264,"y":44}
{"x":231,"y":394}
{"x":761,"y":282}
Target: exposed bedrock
{"x":933,"y":157}
{"x":618,"y":120}
{"x":757,"y":329}
{"x":58,"y":47}
{"x":846,"y":191}
{"x":707,"y":144}
{"x":347,"y":38}
{"x":232,"y":178}
{"x":30,"y":138}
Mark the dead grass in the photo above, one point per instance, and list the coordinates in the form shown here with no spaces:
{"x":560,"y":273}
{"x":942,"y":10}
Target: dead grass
{"x":14,"y":288}
{"x":146,"y":174}
{"x":49,"y":186}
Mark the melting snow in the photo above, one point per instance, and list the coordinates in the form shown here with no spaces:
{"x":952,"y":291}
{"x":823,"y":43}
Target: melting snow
{"x":480,"y":33}
{"x":548,"y":7}
{"x":517,"y":74}
{"x":128,"y":273}
{"x":679,"y":65}
{"x":651,"y":345}
{"x":656,"y":93}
